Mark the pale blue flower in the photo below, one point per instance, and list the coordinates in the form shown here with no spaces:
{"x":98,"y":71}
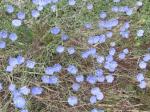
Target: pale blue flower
{"x":19,"y":102}
{"x":93,"y":99}
{"x":9,"y":9}
{"x":24,"y":90}
{"x":72,"y":69}
{"x":72,"y":100}
{"x":30,"y":64}
{"x":36,"y":90}
{"x":13,"y":37}
{"x":75,"y":86}
{"x":2,"y":44}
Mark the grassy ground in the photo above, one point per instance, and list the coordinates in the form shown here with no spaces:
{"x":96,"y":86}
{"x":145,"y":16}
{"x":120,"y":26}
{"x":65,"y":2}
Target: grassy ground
{"x":36,"y":43}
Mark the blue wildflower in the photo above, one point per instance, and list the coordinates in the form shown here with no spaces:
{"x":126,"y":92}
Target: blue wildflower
{"x":9,"y":68}
{"x":53,"y":8}
{"x":45,"y":79}
{"x":2,"y":44}
{"x":24,"y":90}
{"x":30,"y":64}
{"x":71,"y":50}
{"x":55,"y":30}
{"x":142,"y":65}
{"x":49,"y":70}
{"x":1,"y":86}
{"x":20,"y":59}
{"x":92,"y":79}
{"x":72,"y":100}
{"x":71,"y":2}
{"x":3,"y":34}
{"x":140,"y":77}
{"x":9,"y":9}
{"x":53,"y":80}
{"x":13,"y":37}
{"x":12,"y":61}
{"x":57,"y":67}
{"x":89,"y":6}
{"x":36,"y":90}
{"x":93,"y":99}
{"x":64,"y":37}
{"x":35,"y":13}
{"x":16,"y":22}
{"x":140,"y":33}
{"x":79,"y":78}
{"x":142,"y":84}
{"x":21,"y":15}
{"x":103,"y":15}
{"x":72,"y":69}
{"x":75,"y":86}
{"x":95,"y":91}
{"x":12,"y":87}
{"x":19,"y":102}
{"x":109,"y":78}
{"x":60,"y":49}
{"x":146,"y":58}
{"x":122,"y":55}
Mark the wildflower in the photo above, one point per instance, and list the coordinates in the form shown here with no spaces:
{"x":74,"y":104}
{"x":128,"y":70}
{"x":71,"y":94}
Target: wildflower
{"x":71,"y":50}
{"x":122,"y":56}
{"x":55,"y":30}
{"x":30,"y":64}
{"x":20,"y":59}
{"x":53,"y":80}
{"x":49,"y":70}
{"x":2,"y":44}
{"x":140,"y":33}
{"x":9,"y":9}
{"x":57,"y":68}
{"x":100,"y":96}
{"x":93,"y":99}
{"x":24,"y":90}
{"x":140,"y":77}
{"x":95,"y":91}
{"x":13,"y":37}
{"x":35,"y":13}
{"x":21,"y":15}
{"x":126,"y":51}
{"x":109,"y":78}
{"x":53,"y":8}
{"x":71,"y":2}
{"x":103,"y":15}
{"x":12,"y":62}
{"x":16,"y":22}
{"x":142,"y":84}
{"x":45,"y":79}
{"x":72,"y":69}
{"x":9,"y":68}
{"x":64,"y":37}
{"x":79,"y":78}
{"x":89,"y":6}
{"x":60,"y":49}
{"x":75,"y":86}
{"x":12,"y":87}
{"x":142,"y":65}
{"x":3,"y":34}
{"x":91,"y":79}
{"x":88,"y":26}
{"x":146,"y":58}
{"x":72,"y":100}
{"x":36,"y":90}
{"x":19,"y":102}
{"x":1,"y":87}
